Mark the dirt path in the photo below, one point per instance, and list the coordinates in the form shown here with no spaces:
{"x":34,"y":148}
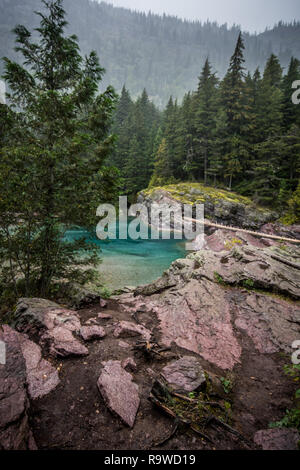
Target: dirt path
{"x":74,"y":415}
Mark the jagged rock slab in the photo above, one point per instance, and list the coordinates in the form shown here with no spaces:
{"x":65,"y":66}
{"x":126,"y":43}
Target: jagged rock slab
{"x":52,"y":325}
{"x":262,"y":268}
{"x":196,"y":317}
{"x":42,"y":377}
{"x":200,"y":311}
{"x":184,"y":375}
{"x":24,"y":375}
{"x":88,"y":333}
{"x":127,"y":329}
{"x":119,"y":392}
{"x":60,"y":342}
{"x":277,"y":439}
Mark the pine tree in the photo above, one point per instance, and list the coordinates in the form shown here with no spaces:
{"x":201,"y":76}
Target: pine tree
{"x":162,"y":168}
{"x":291,"y":112}
{"x":122,"y":127}
{"x":53,"y":174}
{"x":235,"y":105}
{"x":205,"y":118}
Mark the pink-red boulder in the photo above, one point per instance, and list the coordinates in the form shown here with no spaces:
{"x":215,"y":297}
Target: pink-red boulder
{"x":89,"y":333}
{"x":126,"y":329}
{"x":24,"y":376}
{"x":52,"y":325}
{"x":184,"y":375}
{"x":119,"y":392}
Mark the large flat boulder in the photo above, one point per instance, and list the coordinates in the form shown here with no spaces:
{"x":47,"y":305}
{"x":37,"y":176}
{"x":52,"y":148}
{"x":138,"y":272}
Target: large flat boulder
{"x":51,"y":325}
{"x":119,"y":392}
{"x":207,"y":302}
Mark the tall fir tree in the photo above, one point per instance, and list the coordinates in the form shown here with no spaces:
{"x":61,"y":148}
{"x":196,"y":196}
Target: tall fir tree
{"x":52,"y":174}
{"x":205,"y":120}
{"x":235,"y":105}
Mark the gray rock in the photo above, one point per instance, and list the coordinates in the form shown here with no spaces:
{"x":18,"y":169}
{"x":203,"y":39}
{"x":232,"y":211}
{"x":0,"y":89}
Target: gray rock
{"x":184,"y":375}
{"x":277,"y":439}
{"x":119,"y":392}
{"x":226,"y":211}
{"x":76,"y":296}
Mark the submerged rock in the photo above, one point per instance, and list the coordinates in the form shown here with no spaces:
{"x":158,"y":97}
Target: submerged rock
{"x":119,"y":392}
{"x":184,"y":375}
{"x":51,"y":325}
{"x":277,"y":439}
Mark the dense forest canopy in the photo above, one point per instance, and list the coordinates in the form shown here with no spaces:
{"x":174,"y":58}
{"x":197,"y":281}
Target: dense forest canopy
{"x":241,"y":132}
{"x":163,"y":54}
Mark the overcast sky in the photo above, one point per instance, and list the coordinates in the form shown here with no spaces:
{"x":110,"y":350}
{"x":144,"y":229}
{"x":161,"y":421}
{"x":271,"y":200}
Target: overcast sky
{"x":252,"y":15}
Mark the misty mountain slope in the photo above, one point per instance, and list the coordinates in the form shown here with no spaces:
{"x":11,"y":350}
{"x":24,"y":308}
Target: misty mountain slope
{"x":163,"y":54}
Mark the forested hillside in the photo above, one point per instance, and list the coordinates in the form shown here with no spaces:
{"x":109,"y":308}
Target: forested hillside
{"x":163,"y":54}
{"x":241,"y":132}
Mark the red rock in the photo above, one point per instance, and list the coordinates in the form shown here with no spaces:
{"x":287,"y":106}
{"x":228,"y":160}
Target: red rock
{"x":89,"y":333}
{"x":124,"y":345}
{"x":25,"y":374}
{"x":42,"y":377}
{"x":184,"y":375}
{"x":63,"y":344}
{"x":119,"y":392}
{"x":104,"y":316}
{"x":52,"y":325}
{"x":103,"y":303}
{"x":129,"y":364}
{"x":199,"y":311}
{"x":126,"y":329}
{"x":277,"y":439}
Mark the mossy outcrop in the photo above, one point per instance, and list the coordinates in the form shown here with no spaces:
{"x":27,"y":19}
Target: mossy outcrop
{"x":221,"y":206}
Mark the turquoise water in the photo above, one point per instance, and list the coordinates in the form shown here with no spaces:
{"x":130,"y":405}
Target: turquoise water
{"x":132,"y":262}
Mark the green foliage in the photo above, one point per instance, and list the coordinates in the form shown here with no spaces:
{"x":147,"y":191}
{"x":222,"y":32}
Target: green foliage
{"x":163,"y":54}
{"x":219,"y":279}
{"x":293,"y":213}
{"x":248,"y":283}
{"x":227,"y":384}
{"x":240,"y":133}
{"x":52,"y":171}
{"x":292,"y":417}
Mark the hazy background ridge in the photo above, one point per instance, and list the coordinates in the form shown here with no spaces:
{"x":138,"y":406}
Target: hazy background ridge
{"x":164,"y":54}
